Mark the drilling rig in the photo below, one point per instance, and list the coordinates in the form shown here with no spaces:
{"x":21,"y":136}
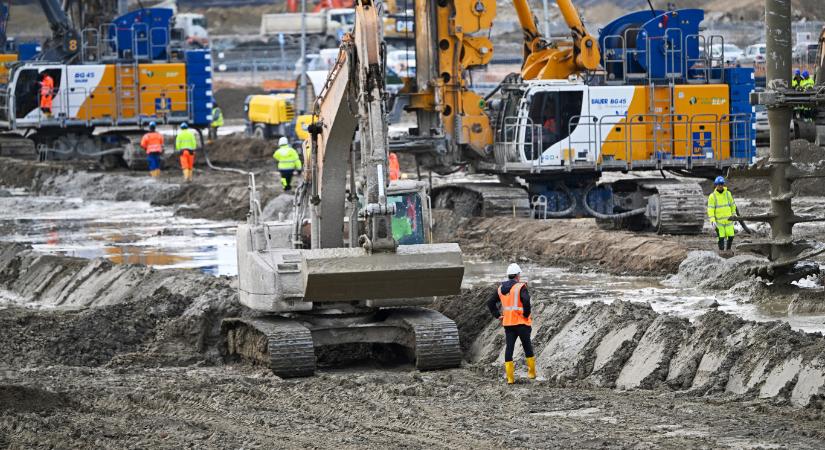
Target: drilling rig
{"x":643,"y":96}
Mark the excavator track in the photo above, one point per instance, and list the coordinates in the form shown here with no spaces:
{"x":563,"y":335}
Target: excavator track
{"x":436,"y":341}
{"x":676,"y":207}
{"x":480,"y":199}
{"x":284,"y":345}
{"x":287,"y":347}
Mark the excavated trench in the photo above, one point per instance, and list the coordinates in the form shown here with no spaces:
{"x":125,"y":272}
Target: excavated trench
{"x":607,"y":320}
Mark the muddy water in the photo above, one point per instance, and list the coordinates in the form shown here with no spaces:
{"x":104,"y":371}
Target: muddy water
{"x":583,"y":288}
{"x":137,"y":233}
{"x":124,"y":232}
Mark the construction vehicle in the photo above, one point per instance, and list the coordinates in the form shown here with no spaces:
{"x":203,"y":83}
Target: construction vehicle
{"x":270,"y":116}
{"x":366,"y":265}
{"x":109,"y":83}
{"x":323,"y":29}
{"x":641,"y":96}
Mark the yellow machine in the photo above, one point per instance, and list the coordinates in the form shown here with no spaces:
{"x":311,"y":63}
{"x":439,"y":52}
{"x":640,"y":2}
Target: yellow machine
{"x":641,"y":97}
{"x":270,"y":116}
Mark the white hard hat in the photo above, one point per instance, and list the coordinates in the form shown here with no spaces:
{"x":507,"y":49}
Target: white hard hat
{"x":513,"y":269}
{"x":283,"y":141}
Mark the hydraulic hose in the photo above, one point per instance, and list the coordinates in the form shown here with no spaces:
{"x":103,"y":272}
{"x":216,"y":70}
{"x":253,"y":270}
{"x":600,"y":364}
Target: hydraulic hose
{"x":599,"y":215}
{"x":570,"y":209}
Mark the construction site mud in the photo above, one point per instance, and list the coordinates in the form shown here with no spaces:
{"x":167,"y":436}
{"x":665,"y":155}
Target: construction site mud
{"x":639,"y":343}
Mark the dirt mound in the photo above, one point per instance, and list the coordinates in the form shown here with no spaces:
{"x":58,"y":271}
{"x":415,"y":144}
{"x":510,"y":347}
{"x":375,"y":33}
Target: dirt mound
{"x":231,"y":100}
{"x":470,"y":313}
{"x":710,"y":271}
{"x":239,"y":149}
{"x":576,"y":241}
{"x":806,"y":155}
{"x":123,"y":309}
{"x":628,"y":346}
{"x":213,"y":195}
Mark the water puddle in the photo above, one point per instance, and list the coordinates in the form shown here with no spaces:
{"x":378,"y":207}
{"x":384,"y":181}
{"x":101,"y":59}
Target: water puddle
{"x":138,"y":233}
{"x":123,"y":232}
{"x":583,"y":288}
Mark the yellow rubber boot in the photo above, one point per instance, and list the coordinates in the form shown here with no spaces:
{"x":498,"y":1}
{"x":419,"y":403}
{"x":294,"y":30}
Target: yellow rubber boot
{"x":510,"y":370}
{"x":531,"y":367}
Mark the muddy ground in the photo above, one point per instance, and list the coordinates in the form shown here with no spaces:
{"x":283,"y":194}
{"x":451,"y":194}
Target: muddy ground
{"x":109,"y":356}
{"x":138,"y":366}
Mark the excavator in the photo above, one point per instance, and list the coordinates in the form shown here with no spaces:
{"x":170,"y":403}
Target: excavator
{"x":356,"y":265}
{"x":642,"y":96}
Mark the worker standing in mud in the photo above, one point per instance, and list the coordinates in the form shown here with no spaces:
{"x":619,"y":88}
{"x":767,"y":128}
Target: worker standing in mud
{"x":289,"y":161}
{"x":217,"y":122}
{"x":186,"y":143}
{"x":721,"y":208}
{"x":514,"y":315}
{"x":46,"y":93}
{"x":152,"y":143}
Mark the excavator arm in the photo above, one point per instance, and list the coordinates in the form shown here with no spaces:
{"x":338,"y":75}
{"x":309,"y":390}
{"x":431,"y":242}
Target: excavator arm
{"x":352,"y":100}
{"x":64,"y":44}
{"x":548,"y":60}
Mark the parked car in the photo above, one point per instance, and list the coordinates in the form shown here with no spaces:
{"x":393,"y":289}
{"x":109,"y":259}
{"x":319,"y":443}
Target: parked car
{"x":755,"y":54}
{"x":729,"y":52}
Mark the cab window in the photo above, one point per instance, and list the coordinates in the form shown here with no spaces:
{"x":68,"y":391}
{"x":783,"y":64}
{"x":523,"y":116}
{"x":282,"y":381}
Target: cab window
{"x":555,"y":114}
{"x":408,"y":221}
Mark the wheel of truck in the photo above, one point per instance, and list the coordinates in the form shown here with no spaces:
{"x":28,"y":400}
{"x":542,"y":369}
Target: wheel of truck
{"x":331,"y":42}
{"x":259,"y":132}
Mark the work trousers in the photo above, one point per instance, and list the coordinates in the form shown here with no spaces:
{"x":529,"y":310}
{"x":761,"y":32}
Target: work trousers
{"x":286,"y":178}
{"x":514,"y":332}
{"x":187,"y":159}
{"x":213,"y":133}
{"x":725,"y":241}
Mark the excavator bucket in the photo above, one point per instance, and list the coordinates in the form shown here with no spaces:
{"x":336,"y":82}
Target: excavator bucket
{"x":348,"y":274}
{"x":273,"y":279}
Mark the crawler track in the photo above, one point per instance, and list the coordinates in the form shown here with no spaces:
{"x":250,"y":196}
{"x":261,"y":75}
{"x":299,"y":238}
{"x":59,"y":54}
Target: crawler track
{"x":676,"y":208}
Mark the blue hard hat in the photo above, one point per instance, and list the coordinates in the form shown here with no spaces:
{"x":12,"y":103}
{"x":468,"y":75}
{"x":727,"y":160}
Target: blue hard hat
{"x":805,"y":74}
{"x":152,"y":124}
{"x":796,"y":72}
{"x":184,"y":125}
{"x":719,"y":180}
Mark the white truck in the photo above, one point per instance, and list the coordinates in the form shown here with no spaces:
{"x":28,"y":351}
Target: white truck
{"x":192,"y":27}
{"x":324,"y":29}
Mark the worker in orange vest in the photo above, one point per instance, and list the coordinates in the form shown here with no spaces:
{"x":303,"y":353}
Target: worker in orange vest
{"x":395,"y":168}
{"x":46,"y":93}
{"x":515,"y":317}
{"x":152,"y":142}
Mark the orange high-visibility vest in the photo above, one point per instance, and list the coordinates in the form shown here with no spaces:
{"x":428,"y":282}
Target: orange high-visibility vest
{"x":395,"y":168}
{"x":46,"y":92}
{"x":152,"y":142}
{"x":511,"y":307}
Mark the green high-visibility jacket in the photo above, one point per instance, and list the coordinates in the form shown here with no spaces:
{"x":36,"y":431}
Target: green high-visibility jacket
{"x":186,"y":140}
{"x":288,"y":158}
{"x":217,"y":118}
{"x":806,"y":83}
{"x":721,"y":207}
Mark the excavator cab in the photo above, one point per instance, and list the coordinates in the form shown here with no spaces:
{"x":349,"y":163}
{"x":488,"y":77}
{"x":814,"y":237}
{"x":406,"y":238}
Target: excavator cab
{"x":412,"y":221}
